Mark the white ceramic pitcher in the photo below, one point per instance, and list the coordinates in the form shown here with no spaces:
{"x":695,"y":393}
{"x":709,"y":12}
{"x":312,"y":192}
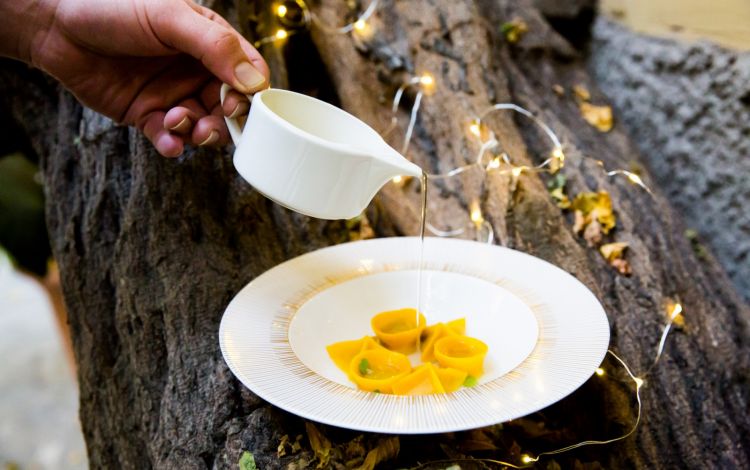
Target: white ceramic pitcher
{"x":312,"y":157}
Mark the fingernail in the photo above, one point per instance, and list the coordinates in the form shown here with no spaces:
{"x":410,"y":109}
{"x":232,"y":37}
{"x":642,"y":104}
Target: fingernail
{"x":241,"y":108}
{"x":248,"y":77}
{"x":211,"y":139}
{"x":182,"y":125}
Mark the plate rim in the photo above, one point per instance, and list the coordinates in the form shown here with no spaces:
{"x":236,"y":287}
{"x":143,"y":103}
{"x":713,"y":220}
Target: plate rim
{"x":302,"y":412}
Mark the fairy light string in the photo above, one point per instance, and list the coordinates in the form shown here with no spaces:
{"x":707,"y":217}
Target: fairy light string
{"x":309,"y":19}
{"x":499,"y":163}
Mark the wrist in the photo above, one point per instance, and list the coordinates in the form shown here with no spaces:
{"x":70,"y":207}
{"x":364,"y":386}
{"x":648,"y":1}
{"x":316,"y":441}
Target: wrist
{"x":25,"y":26}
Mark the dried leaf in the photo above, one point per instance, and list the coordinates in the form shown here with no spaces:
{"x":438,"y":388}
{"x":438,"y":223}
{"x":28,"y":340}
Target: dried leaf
{"x":451,"y":451}
{"x":596,"y":206}
{"x":355,"y":449}
{"x":247,"y":461}
{"x":513,"y":30}
{"x":598,"y":116}
{"x":297,"y":446}
{"x":386,"y":449}
{"x":531,"y":429}
{"x":613,"y":251}
{"x":319,"y":444}
{"x":581,"y":92}
{"x":477,"y":440}
{"x":622,"y":266}
{"x":593,"y":232}
{"x":359,"y":228}
{"x":614,"y":254}
{"x":281,"y":449}
{"x":578,"y":465}
{"x":553,"y":465}
{"x":561,"y":199}
{"x":580,"y":222}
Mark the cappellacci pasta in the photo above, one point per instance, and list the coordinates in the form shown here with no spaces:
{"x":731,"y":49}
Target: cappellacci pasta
{"x":449,"y":358}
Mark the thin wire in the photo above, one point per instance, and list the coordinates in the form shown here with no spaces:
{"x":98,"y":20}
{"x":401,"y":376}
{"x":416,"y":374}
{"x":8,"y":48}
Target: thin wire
{"x":632,"y":177}
{"x":529,"y":460}
{"x":638,"y":383}
{"x":444,"y":233}
{"x":412,"y":122}
{"x":347,"y":28}
{"x":676,"y":311}
{"x":514,"y":107}
{"x":490,"y":233}
{"x":396,"y":102}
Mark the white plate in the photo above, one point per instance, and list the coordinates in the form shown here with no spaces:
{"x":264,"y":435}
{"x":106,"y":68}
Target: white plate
{"x":546,"y":331}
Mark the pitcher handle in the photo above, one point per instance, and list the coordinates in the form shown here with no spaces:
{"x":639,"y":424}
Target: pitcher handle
{"x":232,"y":124}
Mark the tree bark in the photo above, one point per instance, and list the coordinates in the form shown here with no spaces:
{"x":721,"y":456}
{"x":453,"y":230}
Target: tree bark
{"x":152,"y":250}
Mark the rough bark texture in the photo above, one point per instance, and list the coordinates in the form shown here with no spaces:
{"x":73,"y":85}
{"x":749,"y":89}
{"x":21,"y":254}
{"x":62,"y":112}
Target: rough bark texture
{"x":688,"y":108}
{"x":151,"y":251}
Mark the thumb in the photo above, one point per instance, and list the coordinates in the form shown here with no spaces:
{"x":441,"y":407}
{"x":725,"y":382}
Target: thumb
{"x":220,"y":48}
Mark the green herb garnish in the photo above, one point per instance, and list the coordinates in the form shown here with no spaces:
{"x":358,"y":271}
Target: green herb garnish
{"x":364,"y":366}
{"x":470,"y":381}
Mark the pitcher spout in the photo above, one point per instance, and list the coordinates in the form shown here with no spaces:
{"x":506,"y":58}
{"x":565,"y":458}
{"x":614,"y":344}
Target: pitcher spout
{"x":396,"y":163}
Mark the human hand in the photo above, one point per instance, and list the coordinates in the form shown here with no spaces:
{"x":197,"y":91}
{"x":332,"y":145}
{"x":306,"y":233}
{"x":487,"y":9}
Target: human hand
{"x":157,"y":65}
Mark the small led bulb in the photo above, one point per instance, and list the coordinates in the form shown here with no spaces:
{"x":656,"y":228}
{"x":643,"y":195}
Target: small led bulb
{"x":427,"y":80}
{"x":281,"y":34}
{"x":476,"y":213}
{"x":360,"y":25}
{"x":474,"y":127}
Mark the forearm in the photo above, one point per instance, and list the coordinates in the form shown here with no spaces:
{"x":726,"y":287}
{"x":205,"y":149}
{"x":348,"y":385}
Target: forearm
{"x":25,"y":23}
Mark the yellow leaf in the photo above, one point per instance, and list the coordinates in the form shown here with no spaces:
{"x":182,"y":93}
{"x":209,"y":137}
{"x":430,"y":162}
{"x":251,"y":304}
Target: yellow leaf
{"x":319,"y":444}
{"x":580,"y":222}
{"x":614,"y":254}
{"x":595,"y":206}
{"x":386,"y":449}
{"x":562,"y":200}
{"x":281,"y":449}
{"x":513,"y":30}
{"x":598,"y":116}
{"x":613,"y":251}
{"x":581,"y":92}
{"x":585,"y":202}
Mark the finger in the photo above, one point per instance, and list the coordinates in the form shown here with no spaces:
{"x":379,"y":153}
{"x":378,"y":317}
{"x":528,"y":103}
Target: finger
{"x":181,"y":118}
{"x":210,"y":130}
{"x":167,"y":144}
{"x":164,"y":89}
{"x":218,"y":47}
{"x":209,"y":95}
{"x":235,"y":104}
{"x":255,"y":58}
